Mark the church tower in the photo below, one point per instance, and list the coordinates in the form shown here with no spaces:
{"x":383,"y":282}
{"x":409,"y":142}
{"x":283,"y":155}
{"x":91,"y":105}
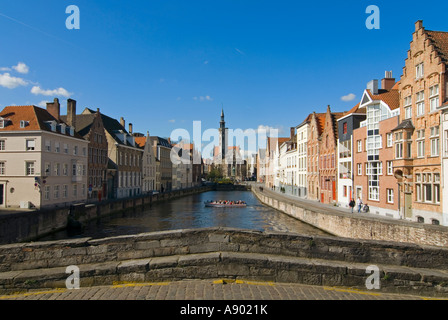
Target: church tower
{"x":222,"y":138}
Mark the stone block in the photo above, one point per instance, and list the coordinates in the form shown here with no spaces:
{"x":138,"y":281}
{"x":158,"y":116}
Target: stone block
{"x":134,"y":266}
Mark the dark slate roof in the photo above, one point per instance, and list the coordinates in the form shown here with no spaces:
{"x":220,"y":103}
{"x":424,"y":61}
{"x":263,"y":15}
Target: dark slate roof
{"x":112,"y":126}
{"x":83,"y":123}
{"x":163,"y":142}
{"x":406,"y":124}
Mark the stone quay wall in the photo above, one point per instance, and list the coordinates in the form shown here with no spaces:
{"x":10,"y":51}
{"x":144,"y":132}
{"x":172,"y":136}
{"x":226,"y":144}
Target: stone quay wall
{"x":30,"y":225}
{"x":356,"y":226}
{"x":223,"y":253}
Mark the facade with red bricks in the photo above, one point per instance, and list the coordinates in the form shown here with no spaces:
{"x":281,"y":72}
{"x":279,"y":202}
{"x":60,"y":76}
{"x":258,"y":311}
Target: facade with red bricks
{"x":373,"y":152}
{"x":417,"y":139}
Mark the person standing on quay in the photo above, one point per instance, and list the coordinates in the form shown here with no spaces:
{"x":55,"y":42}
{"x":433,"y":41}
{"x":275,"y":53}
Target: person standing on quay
{"x":359,"y":203}
{"x":352,"y":204}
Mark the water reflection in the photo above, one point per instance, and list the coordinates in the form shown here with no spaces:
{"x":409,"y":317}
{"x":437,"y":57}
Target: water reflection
{"x":191,"y":213}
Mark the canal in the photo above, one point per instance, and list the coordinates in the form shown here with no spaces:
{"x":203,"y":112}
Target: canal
{"x":190,"y":213}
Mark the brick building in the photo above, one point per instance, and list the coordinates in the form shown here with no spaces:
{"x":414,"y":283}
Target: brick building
{"x":417,"y":158}
{"x":373,"y":151}
{"x":328,"y":157}
{"x":90,"y":127}
{"x":315,"y":129}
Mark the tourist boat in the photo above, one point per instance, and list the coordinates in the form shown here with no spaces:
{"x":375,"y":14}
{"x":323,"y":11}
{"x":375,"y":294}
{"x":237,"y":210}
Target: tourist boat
{"x":215,"y":204}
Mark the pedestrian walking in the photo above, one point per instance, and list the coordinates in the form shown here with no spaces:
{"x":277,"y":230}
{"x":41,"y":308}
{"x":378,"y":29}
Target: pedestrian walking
{"x":359,"y":203}
{"x":352,"y":204}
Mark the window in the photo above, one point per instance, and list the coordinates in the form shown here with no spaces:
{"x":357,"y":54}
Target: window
{"x":359,"y":142}
{"x":399,"y":150}
{"x":390,"y":168}
{"x":2,"y":145}
{"x":30,"y":145}
{"x":64,"y":191}
{"x":56,"y":192}
{"x":57,"y":148}
{"x":389,"y":138}
{"x":29,"y":166}
{"x":65,"y":148}
{"x":433,"y":98}
{"x":428,"y":187}
{"x":420,"y":103}
{"x":48,"y":145}
{"x":421,"y":143}
{"x":47,"y":169}
{"x":344,"y":128}
{"x":57,"y":169}
{"x":419,"y":71}
{"x":435,"y":141}
{"x":47,"y":193}
{"x":446,"y":143}
{"x":2,"y":168}
{"x":65,"y":169}
{"x":75,"y":150}
{"x":390,"y":195}
{"x":409,"y":149}
{"x":408,"y":112}
{"x":75,"y":190}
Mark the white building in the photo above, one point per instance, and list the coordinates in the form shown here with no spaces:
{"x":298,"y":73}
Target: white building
{"x":43,"y":161}
{"x":444,"y":133}
{"x":302,"y":156}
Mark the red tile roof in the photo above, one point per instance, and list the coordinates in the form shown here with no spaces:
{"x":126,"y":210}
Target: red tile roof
{"x":391,"y":98}
{"x":440,"y":41}
{"x":35,"y":117}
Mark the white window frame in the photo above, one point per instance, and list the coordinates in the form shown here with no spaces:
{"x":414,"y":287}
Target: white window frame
{"x":434,"y":100}
{"x":419,"y":70}
{"x":390,"y":195}
{"x":420,"y":101}
{"x":30,"y":168}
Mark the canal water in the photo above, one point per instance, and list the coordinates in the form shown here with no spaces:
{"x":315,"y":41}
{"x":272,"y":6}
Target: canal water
{"x":190,"y":213}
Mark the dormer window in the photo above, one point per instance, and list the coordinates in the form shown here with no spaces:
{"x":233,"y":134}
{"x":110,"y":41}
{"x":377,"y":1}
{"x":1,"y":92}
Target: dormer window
{"x":2,"y":123}
{"x":23,"y":123}
{"x":72,"y":131}
{"x":52,"y":125}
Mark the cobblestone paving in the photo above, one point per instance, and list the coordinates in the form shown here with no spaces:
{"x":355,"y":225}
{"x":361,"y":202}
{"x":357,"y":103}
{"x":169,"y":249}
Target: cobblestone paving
{"x":209,"y":290}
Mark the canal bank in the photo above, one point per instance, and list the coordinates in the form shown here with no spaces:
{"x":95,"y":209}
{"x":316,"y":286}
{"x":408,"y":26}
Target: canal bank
{"x":31,"y":225}
{"x":342,"y":223}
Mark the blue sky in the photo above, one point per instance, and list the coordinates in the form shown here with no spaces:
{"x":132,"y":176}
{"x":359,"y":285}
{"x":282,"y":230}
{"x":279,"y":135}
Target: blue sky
{"x":162,"y":64}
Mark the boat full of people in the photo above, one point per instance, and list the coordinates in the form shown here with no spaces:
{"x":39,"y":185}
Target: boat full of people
{"x":226,"y":204}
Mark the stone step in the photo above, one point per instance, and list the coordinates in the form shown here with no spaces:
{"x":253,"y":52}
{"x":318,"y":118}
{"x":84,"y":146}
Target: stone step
{"x":235,"y":265}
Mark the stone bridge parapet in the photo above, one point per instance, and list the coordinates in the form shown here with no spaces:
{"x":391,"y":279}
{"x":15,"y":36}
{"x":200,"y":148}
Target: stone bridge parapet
{"x":222,"y":253}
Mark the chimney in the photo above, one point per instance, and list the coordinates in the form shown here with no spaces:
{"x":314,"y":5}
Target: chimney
{"x":388,"y":82}
{"x":122,"y":122}
{"x":293,"y":132}
{"x":373,"y":86}
{"x":130,"y":128}
{"x":54,"y":109}
{"x":71,"y":113}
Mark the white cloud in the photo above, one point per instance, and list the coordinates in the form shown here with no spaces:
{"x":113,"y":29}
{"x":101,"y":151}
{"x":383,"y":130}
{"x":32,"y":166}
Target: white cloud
{"x":349,"y":97}
{"x":172,"y":121}
{"x":7,"y":81}
{"x":203,"y":98}
{"x":42,"y":104}
{"x":21,"y":68}
{"x":239,"y":51}
{"x":5,"y":69}
{"x":56,"y":92}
